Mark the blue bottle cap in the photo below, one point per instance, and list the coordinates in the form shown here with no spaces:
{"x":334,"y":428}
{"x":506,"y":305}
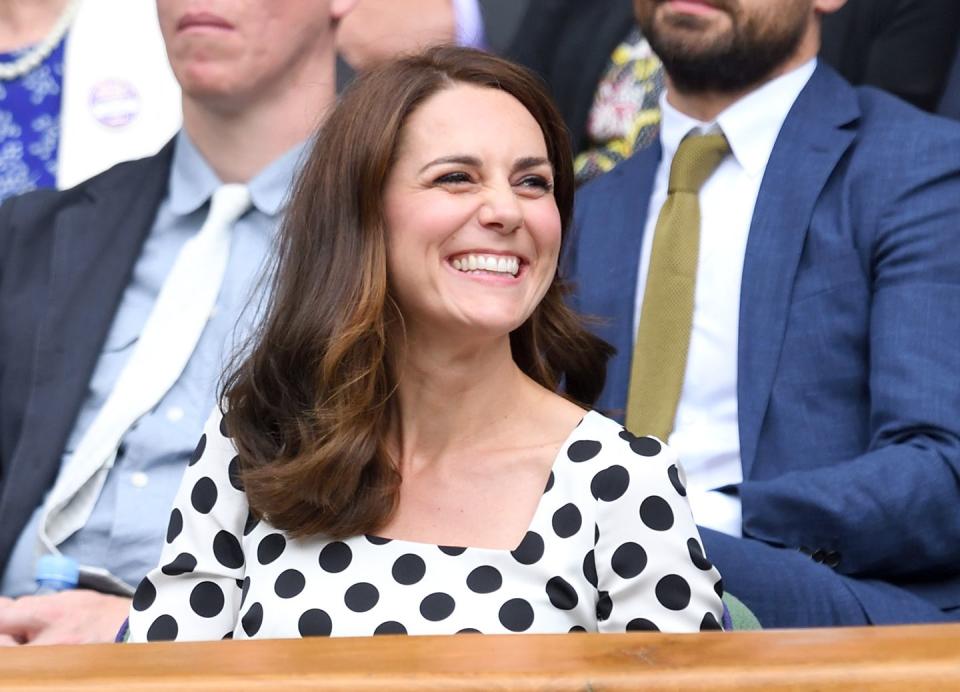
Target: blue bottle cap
{"x":58,"y":568}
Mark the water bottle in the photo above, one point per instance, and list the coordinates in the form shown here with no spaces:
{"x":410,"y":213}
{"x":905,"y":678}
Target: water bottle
{"x":56,"y":573}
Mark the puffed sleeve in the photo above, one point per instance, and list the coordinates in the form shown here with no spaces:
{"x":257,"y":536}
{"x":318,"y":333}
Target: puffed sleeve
{"x":195,"y":592}
{"x":651,"y":568}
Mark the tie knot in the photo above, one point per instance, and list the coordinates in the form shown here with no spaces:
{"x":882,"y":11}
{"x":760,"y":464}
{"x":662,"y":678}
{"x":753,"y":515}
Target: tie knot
{"x":228,"y":203}
{"x":696,"y":159}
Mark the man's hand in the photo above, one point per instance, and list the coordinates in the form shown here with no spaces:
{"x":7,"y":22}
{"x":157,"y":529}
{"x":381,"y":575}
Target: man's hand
{"x":69,"y":617}
{"x":377,"y":30}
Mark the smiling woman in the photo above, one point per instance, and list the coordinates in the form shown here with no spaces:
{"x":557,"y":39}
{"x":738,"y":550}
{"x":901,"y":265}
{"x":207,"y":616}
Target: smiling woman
{"x":394,"y":457}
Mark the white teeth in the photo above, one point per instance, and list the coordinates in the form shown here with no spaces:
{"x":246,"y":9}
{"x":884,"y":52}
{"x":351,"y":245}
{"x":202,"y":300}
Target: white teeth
{"x":490,"y":263}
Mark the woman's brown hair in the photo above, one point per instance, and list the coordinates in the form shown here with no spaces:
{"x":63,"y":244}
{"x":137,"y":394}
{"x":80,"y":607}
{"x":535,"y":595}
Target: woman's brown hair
{"x":309,"y":404}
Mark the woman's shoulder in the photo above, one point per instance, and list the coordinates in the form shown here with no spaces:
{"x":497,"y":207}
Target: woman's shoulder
{"x":600,"y":434}
{"x":616,"y":453}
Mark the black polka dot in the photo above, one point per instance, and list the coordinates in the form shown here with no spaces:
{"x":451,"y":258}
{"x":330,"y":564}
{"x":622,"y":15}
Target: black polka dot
{"x":674,"y":474}
{"x":289,"y":584}
{"x":530,"y":549}
{"x":175,"y":526}
{"x":709,"y":623}
{"x":250,"y":524}
{"x":361,"y":597}
{"x":468,"y":630}
{"x":567,"y":520}
{"x":228,"y":635}
{"x":655,"y":512}
{"x":390,"y":627}
{"x":644,"y":446}
{"x":145,"y":595}
{"x":604,"y":606}
{"x":335,"y":557}
{"x":590,"y":569}
{"x":610,"y":484}
{"x":718,"y":588}
{"x":629,"y":560}
{"x":696,"y":555}
{"x":561,"y":594}
{"x":252,"y":620}
{"x":163,"y":629}
{"x":437,"y":606}
{"x":596,"y":534}
{"x":583,"y":450}
{"x":234,"y":473}
{"x":315,"y":623}
{"x":206,"y":599}
{"x":244,"y":590}
{"x":223,"y":426}
{"x":452,"y":550}
{"x":270,"y":548}
{"x":204,"y":495}
{"x":550,"y":482}
{"x":641,"y":625}
{"x":198,"y":452}
{"x":577,"y":628}
{"x":516,"y":615}
{"x":484,"y":579}
{"x":184,"y":563}
{"x":227,"y":550}
{"x":409,"y":569}
{"x":376,"y":540}
{"x":673,"y":592}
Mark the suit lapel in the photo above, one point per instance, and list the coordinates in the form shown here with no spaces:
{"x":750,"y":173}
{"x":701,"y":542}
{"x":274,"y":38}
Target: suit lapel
{"x":811,"y":143}
{"x":97,"y":238}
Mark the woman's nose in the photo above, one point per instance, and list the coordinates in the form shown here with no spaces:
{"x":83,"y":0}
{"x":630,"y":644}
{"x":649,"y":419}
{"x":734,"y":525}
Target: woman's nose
{"x":501,"y":210}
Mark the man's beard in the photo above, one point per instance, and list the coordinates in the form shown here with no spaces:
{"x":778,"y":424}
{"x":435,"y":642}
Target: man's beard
{"x":744,"y":57}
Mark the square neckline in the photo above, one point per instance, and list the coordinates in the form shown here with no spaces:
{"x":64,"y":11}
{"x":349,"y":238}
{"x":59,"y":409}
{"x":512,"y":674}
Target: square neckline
{"x":382,"y":540}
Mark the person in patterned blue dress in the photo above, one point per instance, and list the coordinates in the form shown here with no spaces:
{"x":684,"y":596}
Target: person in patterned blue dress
{"x":394,"y":457}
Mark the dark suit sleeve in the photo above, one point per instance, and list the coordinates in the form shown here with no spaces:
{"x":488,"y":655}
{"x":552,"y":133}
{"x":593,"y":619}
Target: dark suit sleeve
{"x":901,"y":46}
{"x":893,"y":512}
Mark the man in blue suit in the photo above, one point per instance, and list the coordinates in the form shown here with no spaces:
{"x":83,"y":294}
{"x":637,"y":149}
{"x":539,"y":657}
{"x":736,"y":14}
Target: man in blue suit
{"x":818,"y":395}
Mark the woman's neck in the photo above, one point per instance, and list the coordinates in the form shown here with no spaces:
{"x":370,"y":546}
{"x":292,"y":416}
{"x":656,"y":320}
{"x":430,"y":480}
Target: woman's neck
{"x":453,"y":397}
{"x":25,"y":22}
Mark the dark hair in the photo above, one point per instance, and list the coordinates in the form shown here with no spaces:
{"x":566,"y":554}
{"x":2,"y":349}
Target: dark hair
{"x":310,"y":403}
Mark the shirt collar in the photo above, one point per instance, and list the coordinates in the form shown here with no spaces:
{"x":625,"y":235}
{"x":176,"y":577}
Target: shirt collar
{"x":751,"y":124}
{"x":193,"y":181}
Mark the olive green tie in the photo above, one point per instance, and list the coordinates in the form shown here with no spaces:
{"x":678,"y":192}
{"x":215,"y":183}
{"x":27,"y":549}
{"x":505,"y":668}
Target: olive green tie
{"x":663,"y":337}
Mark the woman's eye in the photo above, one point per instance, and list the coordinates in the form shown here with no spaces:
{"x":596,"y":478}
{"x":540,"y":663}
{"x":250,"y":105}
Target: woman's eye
{"x":453,"y":178}
{"x":537,"y":182}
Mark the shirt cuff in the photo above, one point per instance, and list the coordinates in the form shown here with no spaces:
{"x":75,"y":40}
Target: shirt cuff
{"x":468,"y":22}
{"x":717,"y":511}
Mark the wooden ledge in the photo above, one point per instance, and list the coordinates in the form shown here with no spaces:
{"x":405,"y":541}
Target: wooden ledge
{"x":882,"y":658}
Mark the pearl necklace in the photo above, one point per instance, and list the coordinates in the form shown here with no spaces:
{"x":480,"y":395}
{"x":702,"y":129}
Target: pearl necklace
{"x":36,"y":55}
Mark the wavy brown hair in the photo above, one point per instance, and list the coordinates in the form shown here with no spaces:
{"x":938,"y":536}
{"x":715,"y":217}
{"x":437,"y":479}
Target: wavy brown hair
{"x":311,"y":400}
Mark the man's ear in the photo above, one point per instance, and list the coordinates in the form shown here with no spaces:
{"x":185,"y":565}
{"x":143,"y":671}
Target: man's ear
{"x":828,"y":6}
{"x":340,"y":8}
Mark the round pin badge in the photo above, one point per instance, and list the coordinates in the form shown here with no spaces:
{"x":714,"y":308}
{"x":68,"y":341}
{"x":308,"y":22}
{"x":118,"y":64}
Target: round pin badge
{"x":114,"y":103}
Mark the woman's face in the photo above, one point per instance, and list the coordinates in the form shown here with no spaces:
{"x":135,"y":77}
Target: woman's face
{"x":473,"y":231}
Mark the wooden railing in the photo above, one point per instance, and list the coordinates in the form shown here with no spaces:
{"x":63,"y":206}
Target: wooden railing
{"x":885,"y":658}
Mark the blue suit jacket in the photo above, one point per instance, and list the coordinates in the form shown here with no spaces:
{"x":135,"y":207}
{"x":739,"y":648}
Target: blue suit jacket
{"x":849,"y":335}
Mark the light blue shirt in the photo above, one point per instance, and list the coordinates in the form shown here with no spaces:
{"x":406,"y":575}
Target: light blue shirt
{"x":127,"y":528}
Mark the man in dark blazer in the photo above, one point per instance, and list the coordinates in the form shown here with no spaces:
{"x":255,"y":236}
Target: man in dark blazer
{"x":255,"y":78}
{"x":845,"y":322}
{"x":901,"y":46}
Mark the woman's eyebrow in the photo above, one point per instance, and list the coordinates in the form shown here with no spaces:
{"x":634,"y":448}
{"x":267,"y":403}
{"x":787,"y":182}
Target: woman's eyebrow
{"x":462,"y":159}
{"x":527,"y":162}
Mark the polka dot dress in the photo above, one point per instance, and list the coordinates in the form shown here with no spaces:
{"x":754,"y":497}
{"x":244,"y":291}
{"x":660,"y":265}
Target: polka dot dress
{"x":612,"y":547}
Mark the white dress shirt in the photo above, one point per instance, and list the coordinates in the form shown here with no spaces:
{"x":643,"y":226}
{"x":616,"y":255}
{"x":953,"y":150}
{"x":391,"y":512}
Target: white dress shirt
{"x":706,"y":433}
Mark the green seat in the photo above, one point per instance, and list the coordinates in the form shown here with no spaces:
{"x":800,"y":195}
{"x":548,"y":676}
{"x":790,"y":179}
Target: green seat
{"x":740,"y":615}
